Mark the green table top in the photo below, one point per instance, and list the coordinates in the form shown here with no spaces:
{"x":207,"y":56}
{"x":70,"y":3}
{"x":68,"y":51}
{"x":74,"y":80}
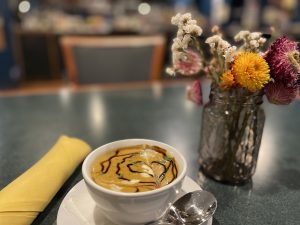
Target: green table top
{"x":30,"y":125}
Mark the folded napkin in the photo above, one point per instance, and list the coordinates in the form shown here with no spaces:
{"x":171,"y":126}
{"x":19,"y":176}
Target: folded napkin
{"x":24,"y":198}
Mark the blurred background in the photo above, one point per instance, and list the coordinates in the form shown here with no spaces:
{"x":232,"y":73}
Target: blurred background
{"x":46,"y":43}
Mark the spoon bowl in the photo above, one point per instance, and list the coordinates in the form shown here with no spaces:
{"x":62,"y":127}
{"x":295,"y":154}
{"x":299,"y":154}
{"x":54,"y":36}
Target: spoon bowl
{"x":192,"y":208}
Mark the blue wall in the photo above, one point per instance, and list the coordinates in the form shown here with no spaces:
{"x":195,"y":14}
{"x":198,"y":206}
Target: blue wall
{"x":8,"y":70}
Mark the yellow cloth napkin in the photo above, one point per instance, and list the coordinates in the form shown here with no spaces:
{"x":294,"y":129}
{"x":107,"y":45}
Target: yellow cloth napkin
{"x":23,"y":199}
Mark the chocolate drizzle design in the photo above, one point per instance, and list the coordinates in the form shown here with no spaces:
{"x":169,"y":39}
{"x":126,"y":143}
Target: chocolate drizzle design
{"x":135,"y":169}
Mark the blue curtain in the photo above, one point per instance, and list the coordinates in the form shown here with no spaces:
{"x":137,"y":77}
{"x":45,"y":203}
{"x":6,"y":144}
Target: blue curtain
{"x":297,"y":16}
{"x":204,"y":7}
{"x":182,"y":2}
{"x":8,"y":70}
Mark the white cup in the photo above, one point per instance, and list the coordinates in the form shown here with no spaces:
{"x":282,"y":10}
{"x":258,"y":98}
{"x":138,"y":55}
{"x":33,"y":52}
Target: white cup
{"x":133,"y":208}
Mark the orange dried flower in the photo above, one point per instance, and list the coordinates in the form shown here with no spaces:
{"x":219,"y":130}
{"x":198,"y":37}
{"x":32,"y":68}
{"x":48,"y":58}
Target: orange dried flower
{"x":251,"y":71}
{"x":227,"y":80}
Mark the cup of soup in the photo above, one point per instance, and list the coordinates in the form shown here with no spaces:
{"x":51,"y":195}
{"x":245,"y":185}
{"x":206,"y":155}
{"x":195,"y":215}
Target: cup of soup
{"x":134,"y":181}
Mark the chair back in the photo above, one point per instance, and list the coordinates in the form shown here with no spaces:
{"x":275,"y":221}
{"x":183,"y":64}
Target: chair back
{"x":91,"y":60}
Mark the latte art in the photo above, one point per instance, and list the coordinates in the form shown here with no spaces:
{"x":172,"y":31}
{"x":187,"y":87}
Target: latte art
{"x":135,"y":169}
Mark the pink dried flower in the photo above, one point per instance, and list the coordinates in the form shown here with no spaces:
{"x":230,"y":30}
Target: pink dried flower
{"x":189,"y":63}
{"x":278,"y":93}
{"x":208,"y":69}
{"x":194,"y":92}
{"x":280,"y":59}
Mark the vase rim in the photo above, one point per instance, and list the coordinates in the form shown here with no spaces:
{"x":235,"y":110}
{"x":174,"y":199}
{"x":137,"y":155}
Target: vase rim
{"x":235,"y":96}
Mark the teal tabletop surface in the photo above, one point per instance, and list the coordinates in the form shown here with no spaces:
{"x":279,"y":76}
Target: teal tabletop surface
{"x":30,"y":125}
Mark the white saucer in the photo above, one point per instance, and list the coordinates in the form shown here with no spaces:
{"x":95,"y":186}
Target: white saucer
{"x":78,"y":208}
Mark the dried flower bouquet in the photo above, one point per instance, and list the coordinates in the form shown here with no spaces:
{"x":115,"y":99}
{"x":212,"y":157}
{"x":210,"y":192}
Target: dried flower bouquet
{"x":275,"y":72}
{"x":233,"y":120}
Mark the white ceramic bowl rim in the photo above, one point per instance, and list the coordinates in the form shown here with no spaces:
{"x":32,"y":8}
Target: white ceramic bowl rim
{"x":89,"y":180}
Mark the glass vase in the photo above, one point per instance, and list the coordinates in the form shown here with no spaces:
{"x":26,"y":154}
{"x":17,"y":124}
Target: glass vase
{"x":232,"y":127}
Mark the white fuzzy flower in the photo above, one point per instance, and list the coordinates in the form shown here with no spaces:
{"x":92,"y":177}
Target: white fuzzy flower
{"x":185,"y":18}
{"x":223,"y":45}
{"x":176,"y":46}
{"x":191,"y":22}
{"x":254,"y":44}
{"x":176,"y":19}
{"x":186,"y":40}
{"x":213,"y":39}
{"x":261,"y":41}
{"x":196,"y":31}
{"x":170,"y":71}
{"x":255,"y":35}
{"x":176,"y":56}
{"x":242,"y":35}
{"x":252,"y":41}
{"x":217,"y":44}
{"x":187,"y":28}
{"x":212,"y":45}
{"x":193,"y":29}
{"x":177,"y":40}
{"x":180,"y":33}
{"x":186,"y":25}
{"x":230,"y":53}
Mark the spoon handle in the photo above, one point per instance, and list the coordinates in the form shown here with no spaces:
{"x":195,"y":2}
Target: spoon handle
{"x":160,"y":222}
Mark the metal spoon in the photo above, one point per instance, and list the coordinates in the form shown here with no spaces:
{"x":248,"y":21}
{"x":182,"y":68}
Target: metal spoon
{"x":193,"y":208}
